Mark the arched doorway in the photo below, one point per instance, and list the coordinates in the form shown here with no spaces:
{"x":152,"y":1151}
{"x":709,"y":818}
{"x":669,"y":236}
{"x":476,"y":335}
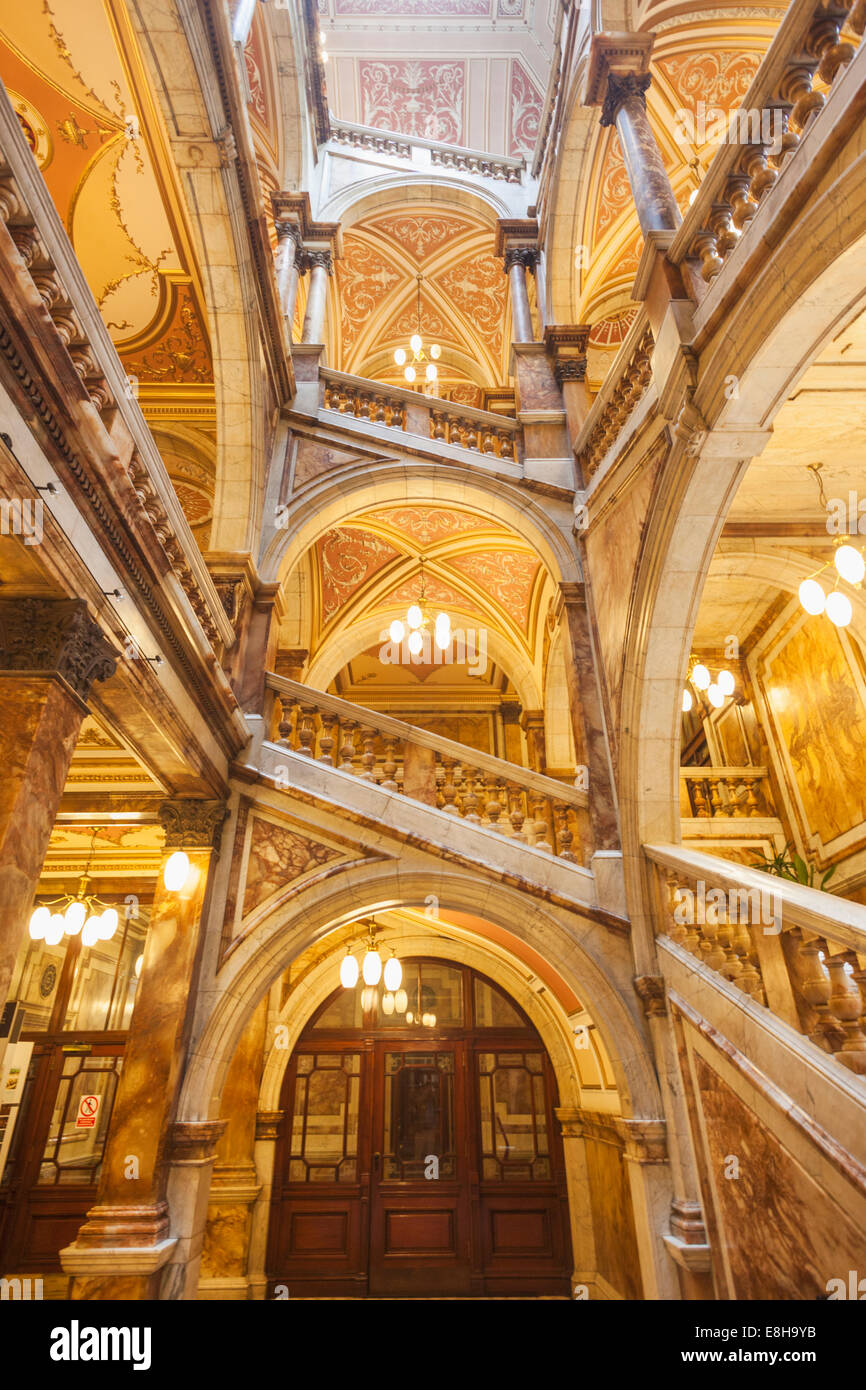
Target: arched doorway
{"x":419,"y":1152}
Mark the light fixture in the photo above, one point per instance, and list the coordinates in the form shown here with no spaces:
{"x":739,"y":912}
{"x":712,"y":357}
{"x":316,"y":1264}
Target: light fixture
{"x":417,"y":621}
{"x":349,"y":971}
{"x":812,"y":596}
{"x":388,"y":1004}
{"x":716,"y":690}
{"x":419,"y":357}
{"x":393,"y":973}
{"x":838,"y":608}
{"x":176,"y":871}
{"x":74,"y":914}
{"x":850,"y":564}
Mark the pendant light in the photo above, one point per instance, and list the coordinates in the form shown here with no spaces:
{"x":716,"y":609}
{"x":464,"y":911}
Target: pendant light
{"x":417,"y":621}
{"x":76,"y":914}
{"x":413,"y":359}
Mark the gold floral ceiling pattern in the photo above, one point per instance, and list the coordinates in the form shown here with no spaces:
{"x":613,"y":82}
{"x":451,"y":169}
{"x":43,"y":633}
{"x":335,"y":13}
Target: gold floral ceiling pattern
{"x":71,"y":70}
{"x":474,"y":567}
{"x":464,"y":302}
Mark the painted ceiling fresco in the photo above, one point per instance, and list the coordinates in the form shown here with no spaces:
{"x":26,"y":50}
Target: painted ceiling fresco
{"x":464,"y":299}
{"x":472,"y":566}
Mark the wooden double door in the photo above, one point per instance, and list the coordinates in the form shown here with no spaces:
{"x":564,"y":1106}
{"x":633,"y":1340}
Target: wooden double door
{"x":419,"y":1167}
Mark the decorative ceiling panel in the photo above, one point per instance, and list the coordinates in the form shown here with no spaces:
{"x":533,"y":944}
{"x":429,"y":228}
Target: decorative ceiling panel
{"x":507,"y":576}
{"x":478,"y":288}
{"x":365,"y":278}
{"x":420,"y":97}
{"x":346,"y":560}
{"x":422,"y":235}
{"x":524,"y":111}
{"x":435,"y":591}
{"x":718,"y":79}
{"x":426,"y":526}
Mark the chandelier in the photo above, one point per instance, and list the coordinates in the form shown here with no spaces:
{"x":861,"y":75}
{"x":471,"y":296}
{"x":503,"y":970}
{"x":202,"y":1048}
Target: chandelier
{"x":418,"y":623}
{"x":412,"y":360}
{"x":851,"y":567}
{"x":717,"y":690}
{"x":73,"y":913}
{"x":395,"y":1000}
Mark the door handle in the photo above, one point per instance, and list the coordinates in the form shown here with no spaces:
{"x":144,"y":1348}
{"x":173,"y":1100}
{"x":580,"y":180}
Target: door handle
{"x":377,"y":1162}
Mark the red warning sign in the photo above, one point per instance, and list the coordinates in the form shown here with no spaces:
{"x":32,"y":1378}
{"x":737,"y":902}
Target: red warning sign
{"x":88,"y":1108}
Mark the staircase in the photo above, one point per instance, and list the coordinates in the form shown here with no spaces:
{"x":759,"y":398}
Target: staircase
{"x":454,"y":800}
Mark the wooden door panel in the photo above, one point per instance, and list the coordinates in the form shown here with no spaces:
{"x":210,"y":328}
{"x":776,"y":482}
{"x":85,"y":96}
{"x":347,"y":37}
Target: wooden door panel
{"x":432,"y":1232}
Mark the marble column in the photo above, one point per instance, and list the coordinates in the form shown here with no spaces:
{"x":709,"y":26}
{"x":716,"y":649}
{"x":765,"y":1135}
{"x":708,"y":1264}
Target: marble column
{"x":587,"y":715}
{"x":288,"y":247}
{"x":268,"y":1129}
{"x":235,"y":1186}
{"x":625,"y":106}
{"x":51,"y":652}
{"x":319,"y":264}
{"x":519,"y":259}
{"x":583,"y":1243}
{"x":127,"y":1238}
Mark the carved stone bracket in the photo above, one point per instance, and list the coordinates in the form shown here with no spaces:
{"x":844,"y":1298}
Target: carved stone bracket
{"x":54,"y":636}
{"x":193,"y":824}
{"x":650,"y":989}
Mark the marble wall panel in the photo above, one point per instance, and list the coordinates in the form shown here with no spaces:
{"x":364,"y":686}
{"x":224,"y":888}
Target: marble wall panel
{"x":612,"y":1218}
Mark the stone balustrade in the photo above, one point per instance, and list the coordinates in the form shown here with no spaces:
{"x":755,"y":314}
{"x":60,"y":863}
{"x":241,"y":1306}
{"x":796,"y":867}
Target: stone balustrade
{"x":479,"y":431}
{"x":516,"y":802}
{"x":725,"y":791}
{"x":792,"y":949}
{"x":503,"y":168}
{"x":811,"y":50}
{"x":623,"y":388}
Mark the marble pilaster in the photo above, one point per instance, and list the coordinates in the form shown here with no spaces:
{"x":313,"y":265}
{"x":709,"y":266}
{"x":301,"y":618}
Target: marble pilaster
{"x":319,"y":262}
{"x":131,"y":1218}
{"x":51,"y":652}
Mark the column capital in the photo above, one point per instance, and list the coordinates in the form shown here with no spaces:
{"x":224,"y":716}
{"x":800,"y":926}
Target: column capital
{"x":54,"y":637}
{"x":617,"y":55}
{"x":288,"y":231}
{"x":308,"y":259}
{"x":193,"y":824}
{"x":567,"y":344}
{"x":526,"y":256}
{"x":195,"y":1142}
{"x":573,"y":592}
{"x":620,"y":87}
{"x":268,"y":1124}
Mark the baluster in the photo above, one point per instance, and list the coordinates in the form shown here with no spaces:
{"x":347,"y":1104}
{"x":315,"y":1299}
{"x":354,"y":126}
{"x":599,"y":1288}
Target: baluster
{"x":750,"y":977}
{"x":368,"y":757}
{"x":379,"y":411}
{"x":700,"y":798}
{"x":285,"y":726}
{"x":363,"y":411}
{"x":449,"y":790}
{"x":437,"y":425}
{"x":516,"y":813}
{"x":715,"y":798}
{"x":306,"y":730}
{"x":506,"y":445}
{"x":813,"y":983}
{"x":675,"y":929}
{"x":347,"y":751}
{"x":564,"y":835}
{"x":825,"y":43}
{"x":711,"y":950}
{"x":492,"y":786}
{"x":846,"y":1006}
{"x":704,"y":247}
{"x":752,"y":808}
{"x":390,"y":767}
{"x":737,"y":191}
{"x":738,"y":804}
{"x":327,"y":740}
{"x":796,"y":87}
{"x":539,"y":824}
{"x":488,"y":443}
{"x":470,"y":799}
{"x":471,"y":435}
{"x":733,"y":966}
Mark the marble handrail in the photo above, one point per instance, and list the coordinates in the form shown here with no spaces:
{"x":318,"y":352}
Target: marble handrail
{"x":515,"y":801}
{"x":808,"y":43}
{"x":715,"y":791}
{"x":798,"y":951}
{"x":480,"y":431}
{"x":622,"y":389}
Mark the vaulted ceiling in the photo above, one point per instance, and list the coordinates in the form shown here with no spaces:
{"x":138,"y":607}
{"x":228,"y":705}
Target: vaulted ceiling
{"x":468,"y":72}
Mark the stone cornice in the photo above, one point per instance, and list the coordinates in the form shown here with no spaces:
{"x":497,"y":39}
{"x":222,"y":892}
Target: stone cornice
{"x":618,"y":54}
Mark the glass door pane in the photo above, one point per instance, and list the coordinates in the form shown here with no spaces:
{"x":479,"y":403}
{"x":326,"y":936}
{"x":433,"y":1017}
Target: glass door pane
{"x":418,"y":1115}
